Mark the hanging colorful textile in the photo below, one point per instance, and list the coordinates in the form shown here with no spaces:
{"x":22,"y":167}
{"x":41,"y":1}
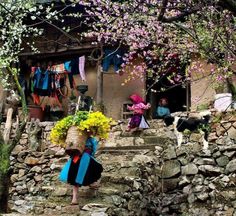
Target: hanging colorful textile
{"x":112,"y":57}
{"x":77,"y":67}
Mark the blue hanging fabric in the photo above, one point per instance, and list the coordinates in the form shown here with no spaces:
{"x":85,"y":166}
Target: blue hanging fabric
{"x":41,"y":82}
{"x":112,"y":57}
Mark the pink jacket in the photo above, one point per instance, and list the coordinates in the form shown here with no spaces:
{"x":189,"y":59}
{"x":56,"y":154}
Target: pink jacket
{"x":139,"y":108}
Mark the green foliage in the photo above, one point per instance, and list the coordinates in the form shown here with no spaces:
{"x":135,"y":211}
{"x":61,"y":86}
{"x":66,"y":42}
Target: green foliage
{"x":217,"y":118}
{"x":202,"y":107}
{"x":187,"y":132}
{"x":4,"y":158}
{"x":204,"y":127}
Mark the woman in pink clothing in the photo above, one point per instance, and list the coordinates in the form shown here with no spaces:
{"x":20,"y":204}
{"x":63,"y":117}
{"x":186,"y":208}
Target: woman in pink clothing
{"x":138,"y":108}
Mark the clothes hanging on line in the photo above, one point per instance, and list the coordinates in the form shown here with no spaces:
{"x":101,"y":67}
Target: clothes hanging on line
{"x":46,"y":83}
{"x":77,"y":66}
{"x":41,"y":82}
{"x":112,"y":57}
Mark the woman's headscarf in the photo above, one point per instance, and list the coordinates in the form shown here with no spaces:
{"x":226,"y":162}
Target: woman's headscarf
{"x":136,"y":98}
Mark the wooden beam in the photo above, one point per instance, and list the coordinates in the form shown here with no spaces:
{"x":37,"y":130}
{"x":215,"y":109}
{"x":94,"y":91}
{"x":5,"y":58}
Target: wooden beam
{"x":99,"y":96}
{"x":7,"y":130}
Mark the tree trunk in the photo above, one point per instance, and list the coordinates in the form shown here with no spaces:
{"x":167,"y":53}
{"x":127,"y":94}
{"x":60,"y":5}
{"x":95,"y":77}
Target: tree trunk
{"x":99,"y":96}
{"x":4,"y":192}
{"x":4,"y":174}
{"x":7,"y":145}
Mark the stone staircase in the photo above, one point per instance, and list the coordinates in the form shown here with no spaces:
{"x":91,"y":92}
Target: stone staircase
{"x":121,"y":161}
{"x":144,"y":174}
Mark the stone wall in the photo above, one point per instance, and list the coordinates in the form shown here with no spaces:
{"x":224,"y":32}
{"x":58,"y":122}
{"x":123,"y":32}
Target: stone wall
{"x":149,"y":177}
{"x":222,"y":124}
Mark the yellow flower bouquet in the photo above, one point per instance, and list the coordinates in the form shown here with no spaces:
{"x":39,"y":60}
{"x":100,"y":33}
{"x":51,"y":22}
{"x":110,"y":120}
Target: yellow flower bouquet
{"x":94,"y":123}
{"x":97,"y":125}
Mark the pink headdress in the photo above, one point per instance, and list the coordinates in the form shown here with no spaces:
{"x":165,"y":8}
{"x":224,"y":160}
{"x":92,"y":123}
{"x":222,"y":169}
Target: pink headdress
{"x":136,"y":99}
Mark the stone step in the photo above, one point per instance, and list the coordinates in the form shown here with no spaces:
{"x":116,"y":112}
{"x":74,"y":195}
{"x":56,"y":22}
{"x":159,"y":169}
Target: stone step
{"x":161,"y":141}
{"x":127,"y":149}
{"x":111,"y":184}
{"x":117,"y":179}
{"x":105,"y":189}
{"x":62,"y":206}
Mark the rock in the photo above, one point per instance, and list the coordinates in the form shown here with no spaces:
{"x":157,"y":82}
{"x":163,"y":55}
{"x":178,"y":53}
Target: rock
{"x":231,"y":166}
{"x":70,"y":210}
{"x":48,"y":128}
{"x":227,"y":148}
{"x":225,"y":179}
{"x":19,"y":202}
{"x":229,"y":212}
{"x":191,"y":198}
{"x":210,"y":170}
{"x":184,"y":161}
{"x":232,"y":133}
{"x":60,"y":191}
{"x":61,"y":152}
{"x":38,"y":178}
{"x":49,"y":152}
{"x":36,"y":169}
{"x":136,"y":185}
{"x":228,"y":194}
{"x":95,"y":209}
{"x":142,"y":159}
{"x":46,"y":123}
{"x":198,"y":179}
{"x":202,"y":211}
{"x":169,"y":153}
{"x":204,"y":161}
{"x":21,"y":173}
{"x":125,"y":141}
{"x":222,"y":161}
{"x":17,"y":149}
{"x":138,"y":141}
{"x":216,"y":154}
{"x":21,"y":189}
{"x":55,"y":167}
{"x":226,"y":125}
{"x":170,"y":184}
{"x":30,"y":185}
{"x":229,"y":154}
{"x":31,"y":161}
{"x":150,"y":132}
{"x":190,"y":169}
{"x":170,"y":169}
{"x":212,"y":137}
{"x":117,"y":200}
{"x":23,"y":141}
{"x":14,"y":178}
{"x":195,"y":137}
{"x":212,"y":186}
{"x":203,"y":196}
{"x":184,"y":181}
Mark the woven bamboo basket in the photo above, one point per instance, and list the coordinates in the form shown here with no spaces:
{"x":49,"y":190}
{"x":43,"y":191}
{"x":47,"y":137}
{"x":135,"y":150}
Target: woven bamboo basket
{"x":75,"y":139}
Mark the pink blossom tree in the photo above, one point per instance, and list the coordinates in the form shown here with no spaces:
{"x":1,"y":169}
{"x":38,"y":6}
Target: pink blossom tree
{"x":165,"y":32}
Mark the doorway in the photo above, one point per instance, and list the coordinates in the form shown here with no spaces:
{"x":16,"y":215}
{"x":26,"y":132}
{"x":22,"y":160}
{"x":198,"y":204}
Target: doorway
{"x":177,"y":95}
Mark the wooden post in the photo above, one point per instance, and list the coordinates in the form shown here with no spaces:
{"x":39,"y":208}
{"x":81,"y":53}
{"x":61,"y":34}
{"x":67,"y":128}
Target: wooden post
{"x":188,"y":96}
{"x":99,"y":96}
{"x":7,"y":130}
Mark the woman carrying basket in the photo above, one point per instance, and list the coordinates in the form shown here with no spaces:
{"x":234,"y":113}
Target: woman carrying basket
{"x":77,"y":133}
{"x":82,"y":169}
